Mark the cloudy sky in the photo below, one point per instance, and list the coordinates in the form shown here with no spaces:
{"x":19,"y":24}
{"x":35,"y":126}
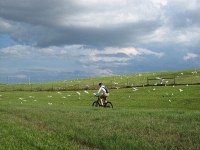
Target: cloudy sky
{"x":62,"y":39}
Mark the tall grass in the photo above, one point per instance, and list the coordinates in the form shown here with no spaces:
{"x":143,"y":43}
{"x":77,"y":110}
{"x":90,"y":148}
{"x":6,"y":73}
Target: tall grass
{"x":154,"y":117}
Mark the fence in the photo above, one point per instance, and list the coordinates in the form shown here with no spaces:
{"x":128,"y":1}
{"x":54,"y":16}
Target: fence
{"x":162,"y":80}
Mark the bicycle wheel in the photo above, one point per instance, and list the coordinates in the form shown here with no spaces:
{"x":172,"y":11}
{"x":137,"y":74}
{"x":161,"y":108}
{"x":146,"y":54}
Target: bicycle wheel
{"x":95,"y":104}
{"x":108,"y":105}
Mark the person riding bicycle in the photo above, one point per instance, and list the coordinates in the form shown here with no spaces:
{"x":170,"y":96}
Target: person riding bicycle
{"x":105,"y":93}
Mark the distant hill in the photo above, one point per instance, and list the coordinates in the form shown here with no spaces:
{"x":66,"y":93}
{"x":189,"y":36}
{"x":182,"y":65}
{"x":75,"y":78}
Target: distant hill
{"x":120,"y":81}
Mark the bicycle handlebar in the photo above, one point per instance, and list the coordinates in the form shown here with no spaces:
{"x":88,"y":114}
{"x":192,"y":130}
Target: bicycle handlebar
{"x":95,"y":94}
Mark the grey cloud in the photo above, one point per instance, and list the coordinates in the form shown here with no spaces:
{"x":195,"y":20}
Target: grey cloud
{"x":49,"y":36}
{"x":100,"y":37}
{"x":35,"y":11}
{"x":185,"y":19}
{"x":45,"y":23}
{"x":182,"y":14}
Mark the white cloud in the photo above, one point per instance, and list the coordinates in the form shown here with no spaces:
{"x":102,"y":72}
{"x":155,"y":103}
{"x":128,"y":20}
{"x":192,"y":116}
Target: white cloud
{"x":27,"y":51}
{"x":160,"y":35}
{"x":129,"y":51}
{"x":188,"y":36}
{"x":97,"y":13}
{"x":116,"y":55}
{"x":190,"y":56}
{"x":71,"y":22}
{"x":104,"y":72}
{"x":84,"y":55}
{"x":149,"y":52}
{"x":5,"y":26}
{"x":193,"y":4}
{"x":16,"y":51}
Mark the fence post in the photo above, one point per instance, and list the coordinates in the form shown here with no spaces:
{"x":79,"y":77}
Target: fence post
{"x":147,"y":81}
{"x":52,"y":86}
{"x":174,"y":80}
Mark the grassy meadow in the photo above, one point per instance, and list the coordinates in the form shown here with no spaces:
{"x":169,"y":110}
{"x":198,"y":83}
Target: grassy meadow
{"x":191,"y":77}
{"x":145,"y":117}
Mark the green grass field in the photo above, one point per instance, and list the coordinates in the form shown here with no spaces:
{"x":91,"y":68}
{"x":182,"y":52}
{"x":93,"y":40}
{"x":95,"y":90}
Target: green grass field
{"x":155,"y":117}
{"x":181,"y":78}
{"x":145,"y":117}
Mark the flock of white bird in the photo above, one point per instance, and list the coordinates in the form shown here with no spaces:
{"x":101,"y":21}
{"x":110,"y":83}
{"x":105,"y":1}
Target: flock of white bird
{"x":134,"y":89}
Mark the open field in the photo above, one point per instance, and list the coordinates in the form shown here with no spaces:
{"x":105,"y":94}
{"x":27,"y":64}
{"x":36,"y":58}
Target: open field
{"x":185,"y":77}
{"x":152,"y":117}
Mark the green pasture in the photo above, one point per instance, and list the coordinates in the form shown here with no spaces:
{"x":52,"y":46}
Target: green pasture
{"x":145,"y":117}
{"x":185,"y":77}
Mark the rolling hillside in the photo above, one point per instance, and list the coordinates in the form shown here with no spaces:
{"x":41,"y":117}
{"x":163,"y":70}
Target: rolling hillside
{"x":112,"y":82}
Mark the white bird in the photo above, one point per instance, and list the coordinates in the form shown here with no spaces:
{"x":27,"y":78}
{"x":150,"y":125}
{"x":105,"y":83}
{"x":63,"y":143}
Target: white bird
{"x":158,"y":78}
{"x":135,"y":89}
{"x":78,"y":93}
{"x":86,"y":92}
{"x":180,"y":90}
{"x":169,"y":100}
{"x":49,"y":103}
{"x":195,"y":72}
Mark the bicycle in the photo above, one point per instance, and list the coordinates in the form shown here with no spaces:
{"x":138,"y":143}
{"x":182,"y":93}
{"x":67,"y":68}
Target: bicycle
{"x":97,"y":103}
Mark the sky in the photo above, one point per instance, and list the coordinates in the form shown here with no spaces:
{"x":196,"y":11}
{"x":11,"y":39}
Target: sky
{"x":43,"y":41}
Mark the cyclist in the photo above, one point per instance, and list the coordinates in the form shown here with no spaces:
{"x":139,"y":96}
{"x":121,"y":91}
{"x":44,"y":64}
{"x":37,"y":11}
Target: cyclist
{"x":105,"y":93}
